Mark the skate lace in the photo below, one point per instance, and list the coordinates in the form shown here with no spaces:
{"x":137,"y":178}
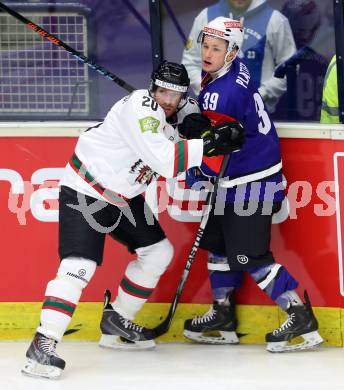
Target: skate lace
{"x":206,"y":317}
{"x":286,"y":324}
{"x":48,"y":346}
{"x":131,"y":325}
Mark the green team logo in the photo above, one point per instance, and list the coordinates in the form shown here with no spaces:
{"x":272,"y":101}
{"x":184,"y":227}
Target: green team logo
{"x":149,"y":124}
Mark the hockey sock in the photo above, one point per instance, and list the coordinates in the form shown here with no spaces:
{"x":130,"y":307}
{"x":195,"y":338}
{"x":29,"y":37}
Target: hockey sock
{"x":224,"y":296}
{"x":62,"y":295}
{"x":141,"y":276}
{"x":223,"y":282}
{"x":277,"y":283}
{"x":289,"y":298}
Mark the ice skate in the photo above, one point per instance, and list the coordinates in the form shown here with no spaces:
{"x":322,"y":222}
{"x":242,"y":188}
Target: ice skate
{"x":216,"y":326}
{"x":300,"y":322}
{"x":119,"y":332}
{"x":43,"y":361}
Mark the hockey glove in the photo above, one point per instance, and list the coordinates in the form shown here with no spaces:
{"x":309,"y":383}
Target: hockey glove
{"x":194,"y":175}
{"x":229,"y":136}
{"x":223,"y":138}
{"x":193,"y":125}
{"x":208,"y":138}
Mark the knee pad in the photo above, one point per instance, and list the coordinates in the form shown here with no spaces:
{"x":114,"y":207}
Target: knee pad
{"x":77,"y":270}
{"x":72,"y":277}
{"x":154,"y":259}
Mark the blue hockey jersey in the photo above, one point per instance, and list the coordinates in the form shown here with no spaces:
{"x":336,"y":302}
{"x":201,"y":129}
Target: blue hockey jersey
{"x":259,"y":160}
{"x":268,"y":42}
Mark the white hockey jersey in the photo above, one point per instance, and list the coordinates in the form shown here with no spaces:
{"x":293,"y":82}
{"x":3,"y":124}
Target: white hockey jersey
{"x":134,"y":145}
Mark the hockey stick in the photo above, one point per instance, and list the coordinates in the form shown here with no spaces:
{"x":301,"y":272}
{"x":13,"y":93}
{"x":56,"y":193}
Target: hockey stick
{"x":56,"y":41}
{"x":165,"y":325}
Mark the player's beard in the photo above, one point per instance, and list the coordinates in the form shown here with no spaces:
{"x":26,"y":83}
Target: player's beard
{"x":169,"y":111}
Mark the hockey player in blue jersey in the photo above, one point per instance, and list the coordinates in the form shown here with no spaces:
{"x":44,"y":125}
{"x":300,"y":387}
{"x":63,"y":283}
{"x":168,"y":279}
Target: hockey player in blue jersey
{"x":268,"y":42}
{"x":238,"y":231}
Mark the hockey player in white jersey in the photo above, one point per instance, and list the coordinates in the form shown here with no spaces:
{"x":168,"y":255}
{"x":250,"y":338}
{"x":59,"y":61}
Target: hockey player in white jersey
{"x":100,"y":194}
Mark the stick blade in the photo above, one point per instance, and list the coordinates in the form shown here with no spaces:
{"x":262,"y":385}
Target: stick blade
{"x":162,"y":328}
{"x":166,"y":323}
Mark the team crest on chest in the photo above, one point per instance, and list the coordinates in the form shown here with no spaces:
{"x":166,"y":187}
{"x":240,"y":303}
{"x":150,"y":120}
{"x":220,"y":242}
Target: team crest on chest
{"x":141,"y":173}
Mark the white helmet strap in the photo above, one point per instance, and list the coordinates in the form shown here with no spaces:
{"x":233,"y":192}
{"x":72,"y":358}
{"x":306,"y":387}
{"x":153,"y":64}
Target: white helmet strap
{"x":174,"y":87}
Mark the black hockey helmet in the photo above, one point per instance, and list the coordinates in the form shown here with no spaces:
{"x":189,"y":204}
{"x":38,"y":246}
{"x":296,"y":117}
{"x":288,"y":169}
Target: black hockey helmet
{"x":170,"y":75}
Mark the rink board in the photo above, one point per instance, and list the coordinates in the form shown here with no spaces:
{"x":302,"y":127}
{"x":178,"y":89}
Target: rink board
{"x":18,"y":321}
{"x":32,"y":157}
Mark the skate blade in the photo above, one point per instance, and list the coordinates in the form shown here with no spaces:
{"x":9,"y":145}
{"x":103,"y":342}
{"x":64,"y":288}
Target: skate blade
{"x":116,"y":342}
{"x":311,"y":341}
{"x":222,"y":339}
{"x":36,"y":370}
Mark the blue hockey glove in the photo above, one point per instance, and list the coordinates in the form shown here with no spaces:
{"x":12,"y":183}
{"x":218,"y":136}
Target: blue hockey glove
{"x":194,"y":175}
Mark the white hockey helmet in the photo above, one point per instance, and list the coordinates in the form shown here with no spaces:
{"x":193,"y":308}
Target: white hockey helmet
{"x":230,"y":30}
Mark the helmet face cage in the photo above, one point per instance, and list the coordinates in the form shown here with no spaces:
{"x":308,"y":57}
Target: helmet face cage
{"x":170,"y":75}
